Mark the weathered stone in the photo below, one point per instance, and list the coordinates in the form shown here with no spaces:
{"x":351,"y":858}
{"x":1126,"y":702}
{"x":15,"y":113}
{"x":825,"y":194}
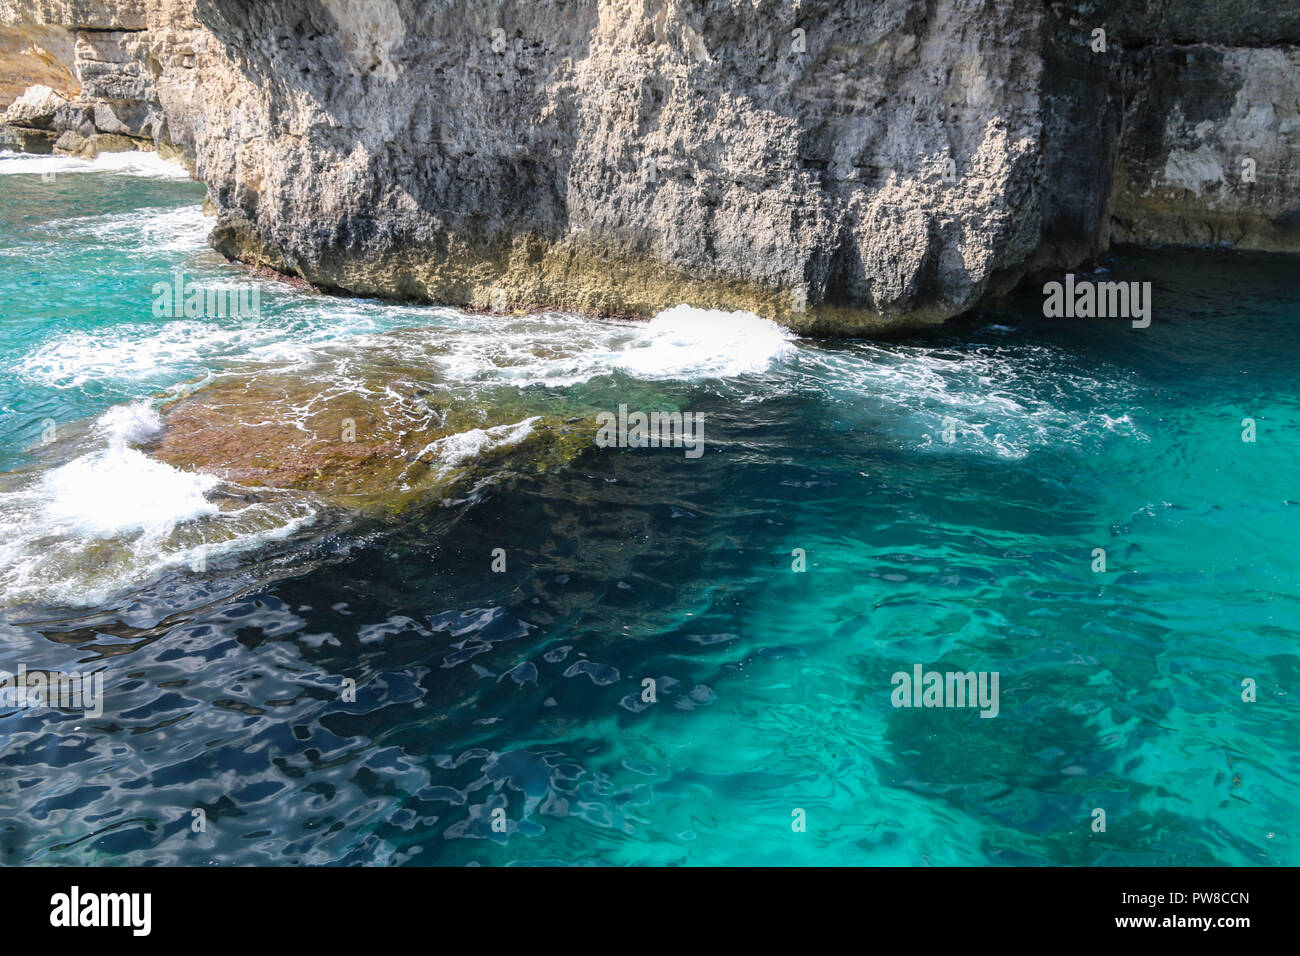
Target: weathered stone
{"x":69,"y":142}
{"x":1210,"y":151}
{"x":76,"y":116}
{"x":76,"y":14}
{"x":624,"y":156}
{"x":35,"y":109}
{"x":26,"y":140}
{"x":33,"y":54}
{"x":88,"y":147}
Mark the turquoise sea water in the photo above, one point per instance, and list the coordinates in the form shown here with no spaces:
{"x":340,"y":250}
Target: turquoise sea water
{"x":521,"y":690}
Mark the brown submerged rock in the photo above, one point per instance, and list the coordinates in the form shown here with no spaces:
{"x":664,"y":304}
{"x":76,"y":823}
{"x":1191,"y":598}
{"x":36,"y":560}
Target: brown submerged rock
{"x":373,"y":444}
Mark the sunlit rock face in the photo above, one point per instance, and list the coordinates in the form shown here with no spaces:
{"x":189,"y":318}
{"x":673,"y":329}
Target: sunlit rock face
{"x":849,"y":167}
{"x":844,"y":166}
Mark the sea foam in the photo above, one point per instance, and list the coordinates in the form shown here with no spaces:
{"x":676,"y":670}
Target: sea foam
{"x":132,"y":163}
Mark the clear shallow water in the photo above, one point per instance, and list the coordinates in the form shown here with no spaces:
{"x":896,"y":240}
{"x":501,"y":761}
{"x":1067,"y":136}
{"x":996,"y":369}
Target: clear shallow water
{"x":521,"y":690}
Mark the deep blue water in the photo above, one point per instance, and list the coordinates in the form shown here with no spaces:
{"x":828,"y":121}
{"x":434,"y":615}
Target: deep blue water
{"x":521,"y":690}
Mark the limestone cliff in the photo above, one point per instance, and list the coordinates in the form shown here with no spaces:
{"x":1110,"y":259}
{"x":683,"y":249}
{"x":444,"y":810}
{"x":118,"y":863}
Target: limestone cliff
{"x":841,"y":165}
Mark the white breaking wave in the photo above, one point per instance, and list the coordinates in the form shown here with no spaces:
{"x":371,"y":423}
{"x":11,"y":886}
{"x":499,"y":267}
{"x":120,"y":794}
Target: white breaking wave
{"x":155,"y":230}
{"x":114,"y":517}
{"x":456,"y":451}
{"x":558,"y":349}
{"x":134,"y":163}
{"x":999,"y":401}
{"x":685,"y":342}
{"x":160,"y":350}
{"x":132,"y":353}
{"x":555,"y":349}
{"x":119,"y":489}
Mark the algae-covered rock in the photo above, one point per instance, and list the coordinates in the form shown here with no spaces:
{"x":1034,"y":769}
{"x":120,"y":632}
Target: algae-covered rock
{"x":379,"y":437}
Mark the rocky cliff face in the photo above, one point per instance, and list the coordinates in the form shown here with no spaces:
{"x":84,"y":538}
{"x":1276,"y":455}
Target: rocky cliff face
{"x":87,"y":76}
{"x":1210,"y":152}
{"x":840,"y":165}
